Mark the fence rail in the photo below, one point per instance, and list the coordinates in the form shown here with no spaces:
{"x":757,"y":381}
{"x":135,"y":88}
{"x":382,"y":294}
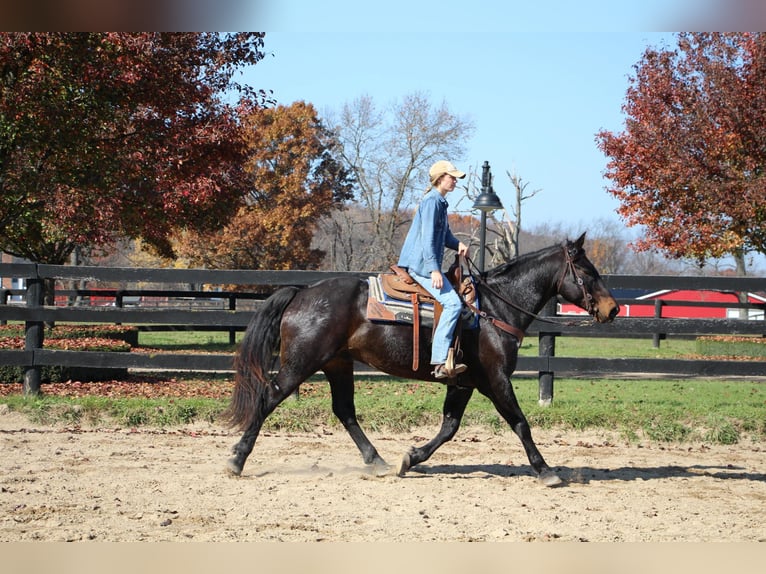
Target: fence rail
{"x":240,"y":306}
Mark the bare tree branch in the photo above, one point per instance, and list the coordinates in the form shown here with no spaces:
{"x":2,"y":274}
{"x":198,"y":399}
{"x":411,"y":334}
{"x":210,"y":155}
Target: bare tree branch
{"x":389,"y":152}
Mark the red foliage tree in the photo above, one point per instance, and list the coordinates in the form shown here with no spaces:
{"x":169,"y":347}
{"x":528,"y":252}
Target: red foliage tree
{"x":295,"y":178}
{"x":109,"y":135}
{"x":690,"y":164}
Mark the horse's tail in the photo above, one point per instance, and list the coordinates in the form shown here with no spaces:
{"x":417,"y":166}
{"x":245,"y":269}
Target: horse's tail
{"x":255,"y":358}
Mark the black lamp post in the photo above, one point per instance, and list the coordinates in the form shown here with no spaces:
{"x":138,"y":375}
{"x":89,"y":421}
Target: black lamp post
{"x":487,"y":202}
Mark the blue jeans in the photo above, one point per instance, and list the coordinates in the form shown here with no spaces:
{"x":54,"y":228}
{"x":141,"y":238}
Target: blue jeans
{"x":452,"y":304}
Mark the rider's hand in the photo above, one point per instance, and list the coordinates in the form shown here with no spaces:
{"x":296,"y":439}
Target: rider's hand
{"x":462,"y":249}
{"x":436,"y":279}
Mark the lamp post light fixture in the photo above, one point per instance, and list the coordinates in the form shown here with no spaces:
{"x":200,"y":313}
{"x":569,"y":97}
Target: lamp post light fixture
{"x":487,"y":202}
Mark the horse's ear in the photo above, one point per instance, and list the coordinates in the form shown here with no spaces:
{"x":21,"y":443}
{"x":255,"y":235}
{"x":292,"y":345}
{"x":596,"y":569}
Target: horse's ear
{"x":575,"y":247}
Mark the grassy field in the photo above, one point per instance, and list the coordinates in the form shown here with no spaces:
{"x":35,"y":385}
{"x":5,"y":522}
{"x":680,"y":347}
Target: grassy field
{"x":715,"y":411}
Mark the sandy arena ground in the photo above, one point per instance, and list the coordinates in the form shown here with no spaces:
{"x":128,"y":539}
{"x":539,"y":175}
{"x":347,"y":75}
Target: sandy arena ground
{"x":111,"y":484}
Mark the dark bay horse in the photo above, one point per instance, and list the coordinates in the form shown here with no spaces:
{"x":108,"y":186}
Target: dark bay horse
{"x":324,"y":327}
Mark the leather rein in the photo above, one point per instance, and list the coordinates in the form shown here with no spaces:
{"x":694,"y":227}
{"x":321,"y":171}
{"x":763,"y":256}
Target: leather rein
{"x":569,"y":267}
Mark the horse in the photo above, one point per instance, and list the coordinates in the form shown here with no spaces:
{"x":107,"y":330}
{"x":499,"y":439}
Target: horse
{"x":324,"y":327}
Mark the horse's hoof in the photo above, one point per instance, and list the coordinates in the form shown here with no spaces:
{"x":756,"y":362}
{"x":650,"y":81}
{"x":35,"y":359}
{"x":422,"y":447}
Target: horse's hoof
{"x":380,"y":467}
{"x":233,"y":467}
{"x":549,"y":478}
{"x":405,"y":465}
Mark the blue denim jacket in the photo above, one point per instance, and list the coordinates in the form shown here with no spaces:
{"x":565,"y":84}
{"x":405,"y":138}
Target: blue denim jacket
{"x":429,"y":234}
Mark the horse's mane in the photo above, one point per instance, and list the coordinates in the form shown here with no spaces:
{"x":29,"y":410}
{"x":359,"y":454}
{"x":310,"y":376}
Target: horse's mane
{"x":505,"y":270}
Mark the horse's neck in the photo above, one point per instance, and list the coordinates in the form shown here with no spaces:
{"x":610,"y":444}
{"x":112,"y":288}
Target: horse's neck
{"x":527,"y":284}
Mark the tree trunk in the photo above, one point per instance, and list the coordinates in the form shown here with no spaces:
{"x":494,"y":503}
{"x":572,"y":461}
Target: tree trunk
{"x":741,"y":270}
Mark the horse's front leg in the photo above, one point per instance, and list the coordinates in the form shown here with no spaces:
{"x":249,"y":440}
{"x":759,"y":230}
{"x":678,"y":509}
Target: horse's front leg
{"x":507,"y":405}
{"x":452,"y":413}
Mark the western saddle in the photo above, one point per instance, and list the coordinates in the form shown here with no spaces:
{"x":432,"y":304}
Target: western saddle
{"x":401,"y":286}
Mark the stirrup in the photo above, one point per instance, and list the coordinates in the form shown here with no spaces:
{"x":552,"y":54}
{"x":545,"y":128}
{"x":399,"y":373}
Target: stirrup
{"x":443,"y":372}
{"x":450,"y":365}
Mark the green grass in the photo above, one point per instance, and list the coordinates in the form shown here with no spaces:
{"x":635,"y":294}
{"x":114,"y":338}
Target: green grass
{"x":723,"y":412}
{"x":210,"y":341}
{"x":124,"y":412}
{"x":615,"y":348}
{"x":666,"y":410}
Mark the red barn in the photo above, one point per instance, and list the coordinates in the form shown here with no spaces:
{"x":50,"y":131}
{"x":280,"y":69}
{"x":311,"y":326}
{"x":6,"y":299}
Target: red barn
{"x":644,"y":306}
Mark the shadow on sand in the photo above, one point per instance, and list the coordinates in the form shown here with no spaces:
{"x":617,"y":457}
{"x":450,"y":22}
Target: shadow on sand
{"x":588,"y":474}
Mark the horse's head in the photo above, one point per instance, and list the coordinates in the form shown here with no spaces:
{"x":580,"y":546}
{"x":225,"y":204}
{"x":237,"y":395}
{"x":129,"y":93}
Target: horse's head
{"x":581,"y":284}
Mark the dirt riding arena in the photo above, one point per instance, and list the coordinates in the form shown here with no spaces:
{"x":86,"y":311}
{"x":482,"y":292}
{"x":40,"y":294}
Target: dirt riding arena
{"x":119,"y":484}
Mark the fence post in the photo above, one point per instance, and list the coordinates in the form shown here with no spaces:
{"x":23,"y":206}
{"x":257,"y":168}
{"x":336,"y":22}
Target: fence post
{"x":232,"y":307}
{"x":33,"y":337}
{"x":657,"y":315}
{"x":119,"y":301}
{"x":4,"y":294}
{"x":546,"y":348}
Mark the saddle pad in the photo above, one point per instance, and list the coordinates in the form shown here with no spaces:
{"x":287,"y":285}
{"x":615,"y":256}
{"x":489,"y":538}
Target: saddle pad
{"x":382,"y":308}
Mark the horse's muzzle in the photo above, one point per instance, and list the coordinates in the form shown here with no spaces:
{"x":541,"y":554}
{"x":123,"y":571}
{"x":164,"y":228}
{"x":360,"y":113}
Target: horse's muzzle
{"x":606,"y":310}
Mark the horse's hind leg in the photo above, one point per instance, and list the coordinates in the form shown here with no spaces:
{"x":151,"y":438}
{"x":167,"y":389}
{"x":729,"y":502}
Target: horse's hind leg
{"x":269,"y":397}
{"x":340,"y":373}
{"x":452,"y":413}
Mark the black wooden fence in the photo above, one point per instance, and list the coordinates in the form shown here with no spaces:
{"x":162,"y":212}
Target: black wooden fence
{"x":235,"y":310}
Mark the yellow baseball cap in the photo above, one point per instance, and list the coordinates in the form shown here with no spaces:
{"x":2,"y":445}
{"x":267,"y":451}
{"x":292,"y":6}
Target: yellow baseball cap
{"x":441,"y":167}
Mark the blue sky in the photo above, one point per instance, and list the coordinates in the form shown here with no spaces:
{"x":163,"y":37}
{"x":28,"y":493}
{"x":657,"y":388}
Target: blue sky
{"x":538,"y":79}
{"x":537,"y":99}
{"x":538,"y":86}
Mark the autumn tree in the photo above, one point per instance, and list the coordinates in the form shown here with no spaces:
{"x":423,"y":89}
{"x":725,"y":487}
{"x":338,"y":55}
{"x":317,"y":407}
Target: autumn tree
{"x":115,"y":135}
{"x":689,"y":166}
{"x":389,"y":152}
{"x":294,"y":178}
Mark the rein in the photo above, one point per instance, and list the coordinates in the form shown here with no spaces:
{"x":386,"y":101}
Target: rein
{"x":570,"y":266}
{"x":500,"y":324}
{"x":508,"y":328}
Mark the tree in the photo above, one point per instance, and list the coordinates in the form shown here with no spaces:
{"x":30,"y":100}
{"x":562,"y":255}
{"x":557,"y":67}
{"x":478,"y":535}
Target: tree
{"x":295,"y":178}
{"x":520,"y":186}
{"x":389,"y":153}
{"x":689,"y":166}
{"x":503,"y":233}
{"x":112,"y":135}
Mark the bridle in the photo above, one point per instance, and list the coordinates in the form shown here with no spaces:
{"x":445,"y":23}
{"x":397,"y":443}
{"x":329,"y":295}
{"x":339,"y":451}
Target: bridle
{"x":569,"y":267}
